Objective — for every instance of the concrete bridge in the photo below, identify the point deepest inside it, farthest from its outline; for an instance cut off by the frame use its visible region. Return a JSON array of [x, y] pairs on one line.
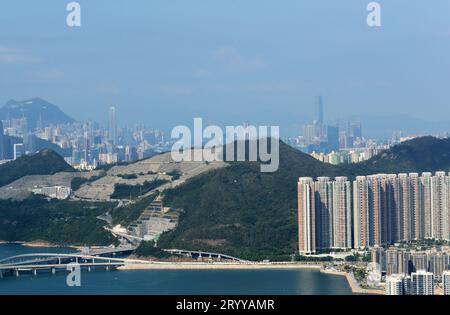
[[88, 259], [202, 254]]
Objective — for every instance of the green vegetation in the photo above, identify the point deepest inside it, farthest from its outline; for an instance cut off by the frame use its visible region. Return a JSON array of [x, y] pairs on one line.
[[107, 167], [124, 191], [353, 258], [313, 259], [56, 221], [174, 174], [77, 182], [426, 154], [45, 162], [127, 176], [148, 249], [127, 214]]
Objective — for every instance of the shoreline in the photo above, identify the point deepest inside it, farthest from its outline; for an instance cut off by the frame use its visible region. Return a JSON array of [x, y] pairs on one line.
[[155, 265], [354, 285], [39, 244], [352, 282], [212, 266]]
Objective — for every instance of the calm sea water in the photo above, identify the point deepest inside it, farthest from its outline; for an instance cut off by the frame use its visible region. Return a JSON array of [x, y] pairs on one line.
[[172, 281]]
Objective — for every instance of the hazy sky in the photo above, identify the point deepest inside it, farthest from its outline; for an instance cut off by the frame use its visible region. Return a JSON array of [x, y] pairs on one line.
[[163, 62]]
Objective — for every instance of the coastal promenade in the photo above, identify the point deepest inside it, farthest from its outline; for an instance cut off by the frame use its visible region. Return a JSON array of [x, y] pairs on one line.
[[354, 285]]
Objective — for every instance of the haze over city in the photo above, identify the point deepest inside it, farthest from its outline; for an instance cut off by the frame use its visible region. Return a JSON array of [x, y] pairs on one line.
[[164, 63]]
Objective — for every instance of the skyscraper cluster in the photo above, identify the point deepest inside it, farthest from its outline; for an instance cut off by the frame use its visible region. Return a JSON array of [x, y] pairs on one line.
[[325, 138], [384, 208], [84, 145], [404, 261]]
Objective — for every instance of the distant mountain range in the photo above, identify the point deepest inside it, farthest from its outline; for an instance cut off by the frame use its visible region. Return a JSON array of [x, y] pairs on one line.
[[34, 110], [385, 126]]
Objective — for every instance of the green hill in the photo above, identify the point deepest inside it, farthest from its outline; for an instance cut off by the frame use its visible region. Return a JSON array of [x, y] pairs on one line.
[[58, 221], [242, 212], [45, 162], [425, 154]]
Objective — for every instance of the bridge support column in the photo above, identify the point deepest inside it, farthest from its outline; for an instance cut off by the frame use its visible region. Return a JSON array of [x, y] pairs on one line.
[[89, 268], [1, 274], [34, 272], [107, 268], [53, 271], [17, 273]]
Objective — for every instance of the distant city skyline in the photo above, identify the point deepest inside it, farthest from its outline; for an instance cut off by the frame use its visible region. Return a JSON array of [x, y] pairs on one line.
[[164, 63]]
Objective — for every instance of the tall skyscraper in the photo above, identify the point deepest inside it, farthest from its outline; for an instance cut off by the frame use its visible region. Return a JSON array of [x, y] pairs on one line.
[[378, 211], [306, 216], [439, 206], [404, 207], [354, 129], [324, 210], [416, 210], [319, 106], [392, 195], [324, 213], [361, 212], [333, 138], [342, 212], [112, 126], [426, 203]]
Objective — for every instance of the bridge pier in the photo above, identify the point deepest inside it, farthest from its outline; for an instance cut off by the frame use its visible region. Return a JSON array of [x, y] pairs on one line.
[[53, 271], [17, 273], [89, 268], [35, 272], [1, 274]]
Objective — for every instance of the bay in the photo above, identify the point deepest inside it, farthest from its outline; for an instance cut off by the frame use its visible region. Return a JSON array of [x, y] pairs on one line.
[[172, 282]]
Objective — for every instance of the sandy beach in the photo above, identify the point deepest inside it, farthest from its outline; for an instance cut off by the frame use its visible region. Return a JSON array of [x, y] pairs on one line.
[[213, 266], [39, 244]]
